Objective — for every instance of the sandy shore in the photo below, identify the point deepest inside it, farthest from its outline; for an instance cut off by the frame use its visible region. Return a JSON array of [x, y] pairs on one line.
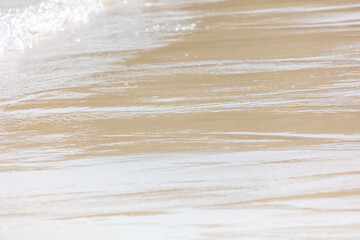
[[189, 120]]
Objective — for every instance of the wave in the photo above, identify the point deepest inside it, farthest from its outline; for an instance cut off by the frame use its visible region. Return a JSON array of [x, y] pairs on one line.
[[21, 27]]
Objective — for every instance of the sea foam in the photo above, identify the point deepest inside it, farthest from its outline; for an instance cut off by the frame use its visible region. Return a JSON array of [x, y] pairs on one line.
[[21, 27]]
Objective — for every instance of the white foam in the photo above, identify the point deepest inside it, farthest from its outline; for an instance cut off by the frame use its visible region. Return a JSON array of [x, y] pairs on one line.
[[20, 27]]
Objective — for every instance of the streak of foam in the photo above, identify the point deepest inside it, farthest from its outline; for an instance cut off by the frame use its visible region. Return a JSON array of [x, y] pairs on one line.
[[20, 28]]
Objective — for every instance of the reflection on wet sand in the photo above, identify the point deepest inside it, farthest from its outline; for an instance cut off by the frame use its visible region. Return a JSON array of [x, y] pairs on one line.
[[190, 120]]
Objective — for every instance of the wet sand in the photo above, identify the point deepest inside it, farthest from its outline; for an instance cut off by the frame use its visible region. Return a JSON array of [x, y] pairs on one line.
[[189, 120]]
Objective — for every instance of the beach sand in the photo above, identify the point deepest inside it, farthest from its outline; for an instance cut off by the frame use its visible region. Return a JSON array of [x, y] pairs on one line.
[[187, 120]]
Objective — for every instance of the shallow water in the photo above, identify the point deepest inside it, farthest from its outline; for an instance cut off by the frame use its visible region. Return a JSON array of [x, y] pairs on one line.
[[205, 119]]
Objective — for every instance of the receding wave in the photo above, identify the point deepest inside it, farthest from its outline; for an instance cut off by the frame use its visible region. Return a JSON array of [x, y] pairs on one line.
[[21, 27]]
